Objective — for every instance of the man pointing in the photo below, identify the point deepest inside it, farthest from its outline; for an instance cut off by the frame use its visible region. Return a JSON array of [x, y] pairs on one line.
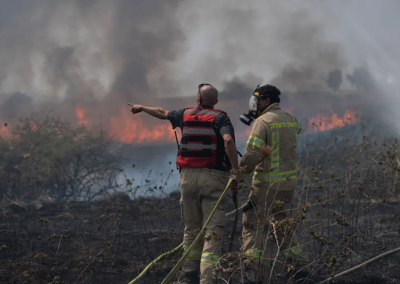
[[208, 152]]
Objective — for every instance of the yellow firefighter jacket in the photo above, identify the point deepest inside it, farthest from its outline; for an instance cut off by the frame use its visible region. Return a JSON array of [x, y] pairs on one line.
[[280, 131]]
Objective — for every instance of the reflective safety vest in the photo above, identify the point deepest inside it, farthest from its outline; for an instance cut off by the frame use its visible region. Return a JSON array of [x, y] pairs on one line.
[[280, 131], [199, 140]]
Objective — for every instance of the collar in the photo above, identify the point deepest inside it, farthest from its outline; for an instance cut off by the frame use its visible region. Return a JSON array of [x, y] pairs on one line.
[[274, 106], [206, 106]]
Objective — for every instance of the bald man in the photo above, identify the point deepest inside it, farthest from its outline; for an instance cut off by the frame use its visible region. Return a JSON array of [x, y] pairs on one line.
[[207, 155]]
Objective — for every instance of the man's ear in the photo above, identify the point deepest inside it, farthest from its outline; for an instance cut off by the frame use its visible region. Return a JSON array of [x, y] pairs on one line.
[[198, 98], [216, 101]]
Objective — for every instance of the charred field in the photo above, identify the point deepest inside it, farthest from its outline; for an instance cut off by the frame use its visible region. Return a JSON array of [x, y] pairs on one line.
[[68, 217]]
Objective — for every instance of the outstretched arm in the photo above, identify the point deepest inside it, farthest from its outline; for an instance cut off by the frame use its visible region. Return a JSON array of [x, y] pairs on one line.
[[153, 111]]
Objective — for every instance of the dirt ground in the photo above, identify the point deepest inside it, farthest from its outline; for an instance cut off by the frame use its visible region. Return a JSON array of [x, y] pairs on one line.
[[112, 241]]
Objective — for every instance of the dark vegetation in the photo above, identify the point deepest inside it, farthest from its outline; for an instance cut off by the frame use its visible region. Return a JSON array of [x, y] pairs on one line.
[[361, 79], [67, 216]]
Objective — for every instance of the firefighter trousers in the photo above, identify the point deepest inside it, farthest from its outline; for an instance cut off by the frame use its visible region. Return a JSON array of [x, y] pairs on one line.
[[200, 191], [276, 201]]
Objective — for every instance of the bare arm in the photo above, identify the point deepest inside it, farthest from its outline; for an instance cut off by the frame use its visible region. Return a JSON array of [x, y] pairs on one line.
[[153, 111], [231, 151]]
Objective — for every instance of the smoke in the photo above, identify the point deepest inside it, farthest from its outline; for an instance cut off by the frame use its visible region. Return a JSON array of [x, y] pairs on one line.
[[314, 55], [112, 52], [85, 50], [334, 80]]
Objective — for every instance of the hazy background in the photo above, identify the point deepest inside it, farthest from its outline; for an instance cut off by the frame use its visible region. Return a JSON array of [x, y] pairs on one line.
[[103, 54]]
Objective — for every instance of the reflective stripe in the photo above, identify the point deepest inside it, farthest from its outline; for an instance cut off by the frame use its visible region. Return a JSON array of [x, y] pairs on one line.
[[193, 254], [275, 176], [202, 111], [275, 152], [198, 131], [243, 175], [209, 258], [293, 251], [198, 146], [255, 141], [256, 253]]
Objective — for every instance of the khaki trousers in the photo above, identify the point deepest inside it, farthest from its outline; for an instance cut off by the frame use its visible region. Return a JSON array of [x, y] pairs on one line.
[[200, 191], [262, 198]]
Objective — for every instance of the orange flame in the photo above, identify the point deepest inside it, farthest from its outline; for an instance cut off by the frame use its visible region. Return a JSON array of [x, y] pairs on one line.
[[80, 114], [34, 126], [289, 110], [128, 128], [4, 129], [247, 132], [323, 122]]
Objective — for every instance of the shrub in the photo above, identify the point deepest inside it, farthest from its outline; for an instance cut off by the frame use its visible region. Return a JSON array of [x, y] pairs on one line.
[[48, 156]]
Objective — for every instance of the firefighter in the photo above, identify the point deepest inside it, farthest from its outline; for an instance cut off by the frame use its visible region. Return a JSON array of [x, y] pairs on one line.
[[274, 178], [206, 157]]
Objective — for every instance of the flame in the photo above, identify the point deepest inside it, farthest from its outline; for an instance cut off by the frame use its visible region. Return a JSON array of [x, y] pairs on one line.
[[128, 128], [34, 126], [323, 122], [4, 129], [289, 110], [80, 114], [247, 132]]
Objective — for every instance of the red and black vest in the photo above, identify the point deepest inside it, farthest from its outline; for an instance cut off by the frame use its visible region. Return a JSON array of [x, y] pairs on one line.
[[199, 143]]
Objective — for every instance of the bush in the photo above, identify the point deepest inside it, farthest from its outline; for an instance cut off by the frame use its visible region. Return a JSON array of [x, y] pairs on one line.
[[48, 156]]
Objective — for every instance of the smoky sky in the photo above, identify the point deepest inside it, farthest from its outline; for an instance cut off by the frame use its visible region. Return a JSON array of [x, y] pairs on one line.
[[85, 50], [113, 52]]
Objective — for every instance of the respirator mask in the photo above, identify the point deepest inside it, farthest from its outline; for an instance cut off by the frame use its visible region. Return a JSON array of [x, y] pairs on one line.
[[253, 113]]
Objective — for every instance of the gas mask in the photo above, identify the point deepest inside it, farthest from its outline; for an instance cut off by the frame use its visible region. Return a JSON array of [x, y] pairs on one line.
[[253, 113]]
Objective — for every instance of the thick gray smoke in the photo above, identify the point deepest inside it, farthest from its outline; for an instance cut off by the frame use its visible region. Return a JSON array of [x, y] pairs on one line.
[[85, 50], [113, 52]]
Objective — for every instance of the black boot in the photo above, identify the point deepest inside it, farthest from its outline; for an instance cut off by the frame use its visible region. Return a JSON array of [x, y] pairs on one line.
[[190, 278]]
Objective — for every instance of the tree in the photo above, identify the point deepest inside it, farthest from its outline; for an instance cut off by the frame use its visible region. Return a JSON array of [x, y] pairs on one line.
[[362, 79], [334, 80]]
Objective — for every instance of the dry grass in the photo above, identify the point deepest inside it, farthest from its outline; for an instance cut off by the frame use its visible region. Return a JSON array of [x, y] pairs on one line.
[[345, 212]]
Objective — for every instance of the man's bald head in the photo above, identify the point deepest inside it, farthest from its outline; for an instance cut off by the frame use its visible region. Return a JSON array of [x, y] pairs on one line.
[[207, 95]]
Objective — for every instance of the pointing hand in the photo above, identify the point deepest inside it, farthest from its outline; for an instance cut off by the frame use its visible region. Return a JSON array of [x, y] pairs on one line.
[[135, 108]]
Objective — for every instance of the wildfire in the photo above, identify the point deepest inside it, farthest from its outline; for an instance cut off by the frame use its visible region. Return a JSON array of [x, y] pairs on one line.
[[4, 129], [80, 114], [247, 132], [129, 128], [323, 122], [34, 126], [289, 110]]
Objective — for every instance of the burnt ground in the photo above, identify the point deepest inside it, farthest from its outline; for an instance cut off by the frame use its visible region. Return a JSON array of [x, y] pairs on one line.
[[112, 241]]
